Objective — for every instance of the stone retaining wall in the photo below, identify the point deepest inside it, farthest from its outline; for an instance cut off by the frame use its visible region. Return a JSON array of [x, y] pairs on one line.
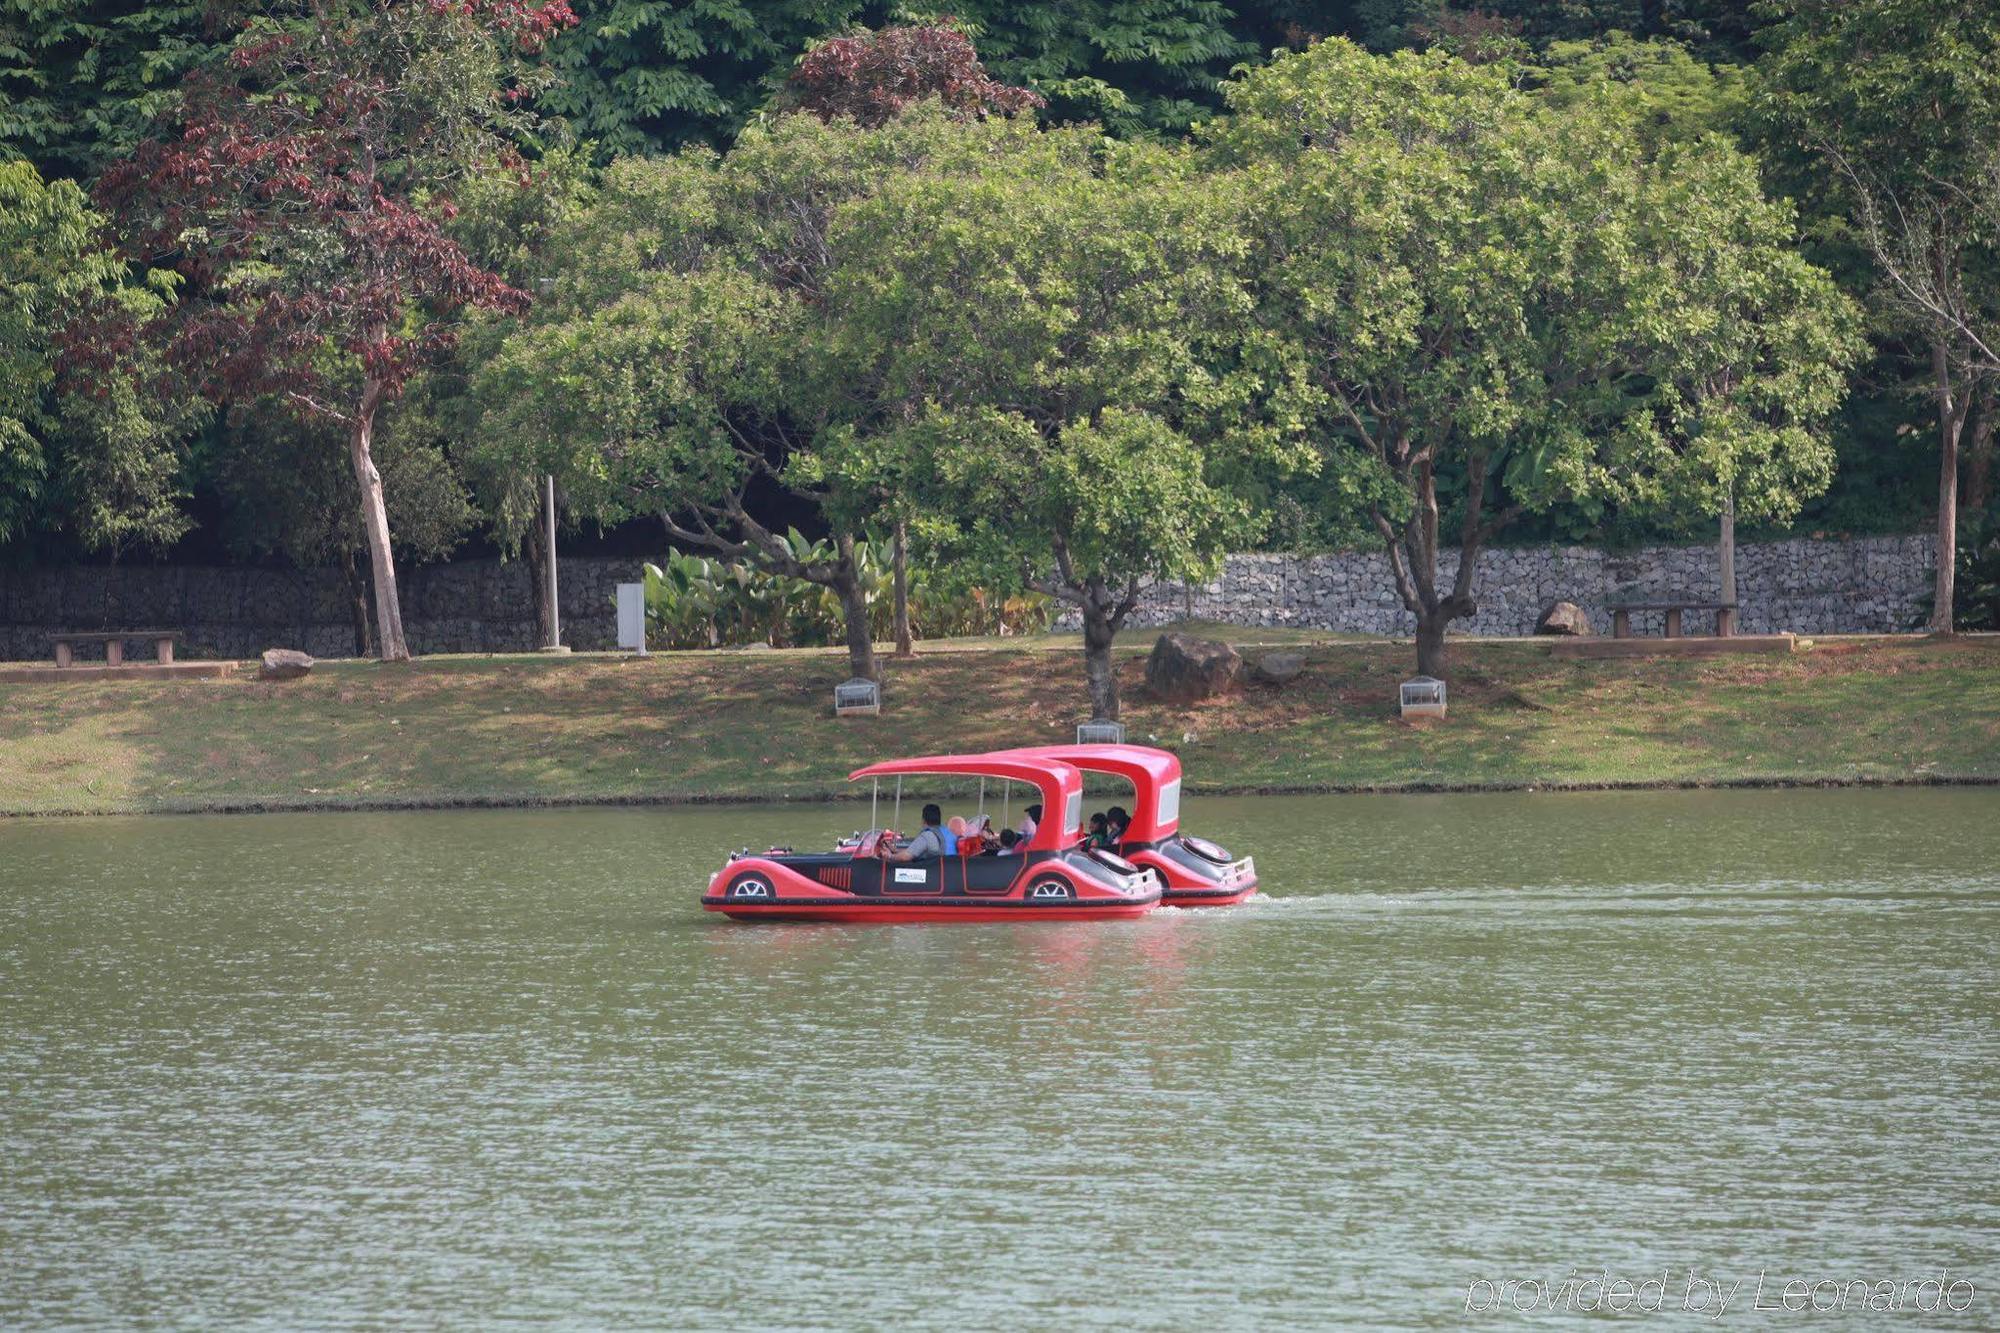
[[469, 606], [1806, 585]]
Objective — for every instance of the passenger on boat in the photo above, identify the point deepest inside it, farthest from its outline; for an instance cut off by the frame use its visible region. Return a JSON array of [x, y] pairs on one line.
[[1117, 819], [977, 839], [933, 840], [1099, 832], [1029, 822], [1010, 843]]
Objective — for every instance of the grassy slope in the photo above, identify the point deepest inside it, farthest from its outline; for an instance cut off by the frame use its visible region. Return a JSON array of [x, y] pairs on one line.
[[756, 725]]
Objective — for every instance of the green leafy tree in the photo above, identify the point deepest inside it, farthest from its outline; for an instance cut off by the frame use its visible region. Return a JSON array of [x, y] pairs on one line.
[[1154, 67], [663, 374], [1033, 351], [652, 75], [105, 461], [1480, 304], [1669, 95], [81, 79], [1898, 102]]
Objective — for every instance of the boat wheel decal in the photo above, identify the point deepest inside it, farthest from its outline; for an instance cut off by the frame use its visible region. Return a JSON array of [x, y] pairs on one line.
[[1048, 890], [750, 886]]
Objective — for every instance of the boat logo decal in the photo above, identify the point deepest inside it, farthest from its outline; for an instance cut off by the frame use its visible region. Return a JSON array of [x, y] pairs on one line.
[[912, 877]]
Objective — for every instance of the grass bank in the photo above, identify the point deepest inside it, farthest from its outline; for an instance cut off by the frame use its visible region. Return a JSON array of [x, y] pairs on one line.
[[743, 725]]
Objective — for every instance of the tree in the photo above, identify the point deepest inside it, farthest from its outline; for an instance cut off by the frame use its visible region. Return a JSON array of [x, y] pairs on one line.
[[871, 78], [300, 195], [49, 261], [1674, 98], [287, 492], [1140, 70], [638, 76], [669, 371], [518, 233], [1030, 350], [79, 79], [104, 462], [1474, 300], [1899, 100]]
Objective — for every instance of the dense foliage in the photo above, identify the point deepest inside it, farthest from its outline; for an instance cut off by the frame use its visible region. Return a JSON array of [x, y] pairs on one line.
[[299, 191], [695, 601], [1463, 288], [1064, 297]]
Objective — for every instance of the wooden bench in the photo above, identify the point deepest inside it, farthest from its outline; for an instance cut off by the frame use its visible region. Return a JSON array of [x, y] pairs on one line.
[[114, 644], [1621, 616]]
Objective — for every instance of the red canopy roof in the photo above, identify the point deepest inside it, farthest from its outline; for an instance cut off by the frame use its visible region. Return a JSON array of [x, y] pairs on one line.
[[1057, 781], [1151, 773]]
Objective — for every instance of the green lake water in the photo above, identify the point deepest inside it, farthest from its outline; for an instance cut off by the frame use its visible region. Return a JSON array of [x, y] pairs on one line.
[[455, 1069]]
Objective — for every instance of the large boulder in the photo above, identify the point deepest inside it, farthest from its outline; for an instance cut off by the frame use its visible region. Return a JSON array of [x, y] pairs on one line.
[[1280, 668], [1566, 618], [283, 664], [1183, 668]]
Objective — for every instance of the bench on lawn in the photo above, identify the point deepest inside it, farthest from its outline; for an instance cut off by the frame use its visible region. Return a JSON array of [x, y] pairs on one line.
[[114, 644], [1621, 616]]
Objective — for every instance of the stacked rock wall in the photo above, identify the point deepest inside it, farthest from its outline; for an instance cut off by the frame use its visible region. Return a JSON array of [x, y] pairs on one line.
[[1807, 585], [469, 606]]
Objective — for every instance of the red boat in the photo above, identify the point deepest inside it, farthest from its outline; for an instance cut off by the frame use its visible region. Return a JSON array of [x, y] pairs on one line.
[[1047, 877], [1197, 872]]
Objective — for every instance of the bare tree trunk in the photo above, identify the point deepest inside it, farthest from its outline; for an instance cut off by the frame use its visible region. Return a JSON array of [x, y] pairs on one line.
[[854, 610], [1979, 454], [534, 548], [1430, 643], [1728, 552], [357, 604], [1413, 561], [375, 522], [1951, 417], [1099, 671], [904, 648]]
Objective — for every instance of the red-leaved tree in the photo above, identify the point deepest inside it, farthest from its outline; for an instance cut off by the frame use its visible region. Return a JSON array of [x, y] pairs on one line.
[[300, 191], [869, 77]]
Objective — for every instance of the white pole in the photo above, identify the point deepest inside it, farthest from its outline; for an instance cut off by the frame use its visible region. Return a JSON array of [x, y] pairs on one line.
[[555, 616], [874, 801], [898, 816]]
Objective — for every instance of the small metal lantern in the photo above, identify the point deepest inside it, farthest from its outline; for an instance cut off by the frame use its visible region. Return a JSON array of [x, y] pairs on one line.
[[1423, 696], [1097, 731], [857, 697]]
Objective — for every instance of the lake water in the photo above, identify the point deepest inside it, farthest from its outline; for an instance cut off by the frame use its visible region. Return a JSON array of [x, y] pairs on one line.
[[460, 1068]]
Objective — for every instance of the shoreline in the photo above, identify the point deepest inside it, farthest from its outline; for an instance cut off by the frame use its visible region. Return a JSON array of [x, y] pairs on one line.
[[732, 729], [688, 800]]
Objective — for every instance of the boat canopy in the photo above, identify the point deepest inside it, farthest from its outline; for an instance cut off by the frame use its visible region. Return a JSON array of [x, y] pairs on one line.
[[1155, 776], [1060, 785]]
